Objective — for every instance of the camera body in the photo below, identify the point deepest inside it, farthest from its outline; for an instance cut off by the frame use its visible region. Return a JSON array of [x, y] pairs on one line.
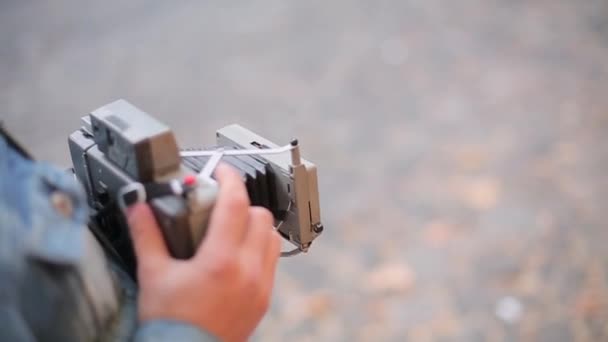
[[122, 154]]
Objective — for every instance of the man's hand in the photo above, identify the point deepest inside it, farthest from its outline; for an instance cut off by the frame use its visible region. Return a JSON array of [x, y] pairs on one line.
[[225, 287]]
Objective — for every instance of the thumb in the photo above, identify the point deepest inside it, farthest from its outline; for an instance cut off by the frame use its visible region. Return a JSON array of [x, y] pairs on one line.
[[147, 238]]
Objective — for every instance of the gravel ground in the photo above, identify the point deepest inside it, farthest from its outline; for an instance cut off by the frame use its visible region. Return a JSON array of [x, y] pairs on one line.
[[461, 145]]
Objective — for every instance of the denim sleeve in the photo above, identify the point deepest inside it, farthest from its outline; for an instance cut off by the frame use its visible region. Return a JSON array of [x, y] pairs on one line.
[[55, 282], [167, 330]]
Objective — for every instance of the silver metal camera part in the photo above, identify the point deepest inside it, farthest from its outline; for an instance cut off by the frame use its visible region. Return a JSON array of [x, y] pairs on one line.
[[122, 154], [296, 184]]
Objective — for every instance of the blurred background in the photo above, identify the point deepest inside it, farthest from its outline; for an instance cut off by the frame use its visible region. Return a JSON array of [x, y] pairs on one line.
[[462, 145]]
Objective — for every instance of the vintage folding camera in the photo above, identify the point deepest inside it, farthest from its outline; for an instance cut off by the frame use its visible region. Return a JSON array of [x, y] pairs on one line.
[[122, 155]]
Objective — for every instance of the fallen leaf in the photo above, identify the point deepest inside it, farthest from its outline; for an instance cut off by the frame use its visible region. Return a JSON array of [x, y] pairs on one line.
[[470, 158], [589, 304], [390, 278], [438, 233], [304, 307], [483, 193], [318, 304], [377, 310]]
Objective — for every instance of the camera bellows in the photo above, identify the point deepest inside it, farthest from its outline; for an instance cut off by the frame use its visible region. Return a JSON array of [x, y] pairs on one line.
[[256, 174]]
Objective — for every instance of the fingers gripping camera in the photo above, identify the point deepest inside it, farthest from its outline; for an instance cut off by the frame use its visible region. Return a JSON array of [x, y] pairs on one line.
[[122, 155]]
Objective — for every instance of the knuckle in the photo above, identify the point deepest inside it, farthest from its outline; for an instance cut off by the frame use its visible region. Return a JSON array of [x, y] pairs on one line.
[[261, 215], [223, 265], [237, 202], [251, 279], [275, 241], [268, 217], [230, 172]]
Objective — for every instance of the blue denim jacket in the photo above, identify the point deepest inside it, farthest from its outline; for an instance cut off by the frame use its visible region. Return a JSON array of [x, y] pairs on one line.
[[55, 282]]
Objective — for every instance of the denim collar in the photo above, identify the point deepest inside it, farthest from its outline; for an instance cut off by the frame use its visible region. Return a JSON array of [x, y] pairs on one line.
[[13, 143]]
